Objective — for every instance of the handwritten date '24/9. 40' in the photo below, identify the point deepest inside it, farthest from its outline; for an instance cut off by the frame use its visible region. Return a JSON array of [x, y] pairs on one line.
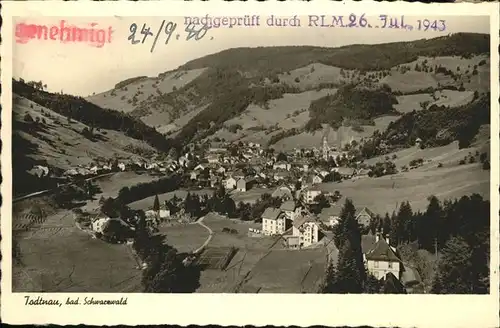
[[383, 21], [168, 29]]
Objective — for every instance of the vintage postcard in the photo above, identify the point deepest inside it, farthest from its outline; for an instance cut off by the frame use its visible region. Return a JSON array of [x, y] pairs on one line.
[[250, 163]]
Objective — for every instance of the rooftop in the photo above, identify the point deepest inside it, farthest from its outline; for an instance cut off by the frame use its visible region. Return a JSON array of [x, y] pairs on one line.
[[271, 213], [288, 206], [381, 251]]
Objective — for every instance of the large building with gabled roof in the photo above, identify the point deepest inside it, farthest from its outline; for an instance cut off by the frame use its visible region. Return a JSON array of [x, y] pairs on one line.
[[382, 259]]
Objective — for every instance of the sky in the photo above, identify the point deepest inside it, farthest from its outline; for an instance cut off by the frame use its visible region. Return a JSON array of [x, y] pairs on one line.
[[81, 69]]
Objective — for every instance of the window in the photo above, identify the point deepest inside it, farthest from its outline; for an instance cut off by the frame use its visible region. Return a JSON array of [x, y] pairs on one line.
[[375, 264], [390, 265]]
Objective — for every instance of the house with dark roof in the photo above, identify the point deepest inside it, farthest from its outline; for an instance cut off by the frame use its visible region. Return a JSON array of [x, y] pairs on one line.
[[381, 258], [290, 209]]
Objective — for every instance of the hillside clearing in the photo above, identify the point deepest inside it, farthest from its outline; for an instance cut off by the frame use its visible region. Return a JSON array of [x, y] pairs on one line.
[[62, 144], [143, 89], [383, 194]]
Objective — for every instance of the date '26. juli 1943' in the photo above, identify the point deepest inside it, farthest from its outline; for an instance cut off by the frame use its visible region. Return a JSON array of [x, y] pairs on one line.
[[383, 21]]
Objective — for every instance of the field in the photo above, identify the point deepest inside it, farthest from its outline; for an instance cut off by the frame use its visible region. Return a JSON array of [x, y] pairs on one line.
[[335, 138], [56, 256], [249, 196], [251, 257], [448, 98], [383, 194], [147, 203], [288, 271], [184, 237]]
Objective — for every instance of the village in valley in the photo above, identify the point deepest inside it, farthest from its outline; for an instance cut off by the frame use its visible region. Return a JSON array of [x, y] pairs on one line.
[[381, 202]]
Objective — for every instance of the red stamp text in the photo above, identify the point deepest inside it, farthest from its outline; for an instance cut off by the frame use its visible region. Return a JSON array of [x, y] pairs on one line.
[[96, 37]]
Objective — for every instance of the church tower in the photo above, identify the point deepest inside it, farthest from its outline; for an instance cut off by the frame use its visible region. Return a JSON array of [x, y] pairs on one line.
[[325, 149]]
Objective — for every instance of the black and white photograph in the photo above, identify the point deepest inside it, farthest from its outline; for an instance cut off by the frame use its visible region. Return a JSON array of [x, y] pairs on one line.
[[313, 154]]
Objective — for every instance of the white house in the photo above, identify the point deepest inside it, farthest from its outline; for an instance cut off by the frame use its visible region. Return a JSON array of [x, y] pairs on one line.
[[270, 222], [99, 224], [364, 216], [193, 175], [39, 171], [382, 259], [315, 179], [121, 166], [241, 185], [309, 194], [307, 229], [230, 183], [164, 213]]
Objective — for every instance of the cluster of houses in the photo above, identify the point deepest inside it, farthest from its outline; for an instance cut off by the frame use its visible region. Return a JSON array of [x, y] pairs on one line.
[[251, 167], [299, 229], [298, 226]]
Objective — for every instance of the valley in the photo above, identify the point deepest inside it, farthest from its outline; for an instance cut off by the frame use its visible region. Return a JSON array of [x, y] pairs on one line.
[[239, 167]]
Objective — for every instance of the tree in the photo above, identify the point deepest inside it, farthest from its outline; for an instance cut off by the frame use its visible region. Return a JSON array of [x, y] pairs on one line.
[[350, 273], [372, 284], [349, 276], [156, 204], [404, 221], [28, 118], [455, 274], [386, 225], [428, 225], [281, 157]]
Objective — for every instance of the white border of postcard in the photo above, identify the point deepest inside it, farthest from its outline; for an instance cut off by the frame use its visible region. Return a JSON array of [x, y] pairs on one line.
[[250, 309]]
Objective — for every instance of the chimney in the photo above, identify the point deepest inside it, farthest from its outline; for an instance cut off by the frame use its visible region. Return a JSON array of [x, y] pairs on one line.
[[387, 240]]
